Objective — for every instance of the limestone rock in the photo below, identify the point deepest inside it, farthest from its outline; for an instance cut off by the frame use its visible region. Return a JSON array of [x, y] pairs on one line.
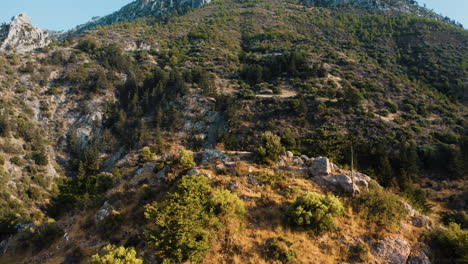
[[21, 36], [393, 250], [196, 171], [104, 212], [321, 167], [418, 258], [341, 183], [211, 155], [409, 209], [140, 8], [422, 221]]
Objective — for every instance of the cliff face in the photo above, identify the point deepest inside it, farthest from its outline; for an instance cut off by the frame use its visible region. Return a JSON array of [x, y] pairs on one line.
[[140, 8], [21, 36]]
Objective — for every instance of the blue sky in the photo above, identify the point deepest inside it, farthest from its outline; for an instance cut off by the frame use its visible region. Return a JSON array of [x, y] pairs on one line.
[[66, 14]]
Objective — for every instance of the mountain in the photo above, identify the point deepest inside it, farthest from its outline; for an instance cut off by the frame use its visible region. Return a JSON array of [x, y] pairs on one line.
[[403, 6], [138, 9], [242, 131], [21, 36]]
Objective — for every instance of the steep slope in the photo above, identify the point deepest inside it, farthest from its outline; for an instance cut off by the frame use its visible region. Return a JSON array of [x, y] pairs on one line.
[[141, 8], [251, 79], [21, 36], [403, 6]]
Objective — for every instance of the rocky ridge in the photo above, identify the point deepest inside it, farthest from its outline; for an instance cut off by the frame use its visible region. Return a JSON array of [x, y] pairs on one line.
[[21, 36], [403, 6], [140, 8]]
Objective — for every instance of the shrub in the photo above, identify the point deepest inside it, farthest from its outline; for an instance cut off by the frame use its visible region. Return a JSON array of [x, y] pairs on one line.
[[359, 252], [17, 161], [451, 245], [42, 236], [117, 255], [279, 249], [225, 203], [381, 207], [41, 158], [270, 149], [274, 179], [182, 223], [457, 217], [146, 155], [315, 211], [186, 159], [181, 230]]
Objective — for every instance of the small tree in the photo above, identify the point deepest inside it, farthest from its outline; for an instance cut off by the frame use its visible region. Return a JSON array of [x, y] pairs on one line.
[[270, 149], [315, 211], [146, 155], [186, 159], [117, 255]]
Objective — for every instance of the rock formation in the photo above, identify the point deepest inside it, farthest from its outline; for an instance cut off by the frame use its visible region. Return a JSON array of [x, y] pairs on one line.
[[140, 8], [21, 36]]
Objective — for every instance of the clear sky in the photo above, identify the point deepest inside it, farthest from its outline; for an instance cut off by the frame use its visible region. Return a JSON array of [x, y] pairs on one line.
[[66, 14]]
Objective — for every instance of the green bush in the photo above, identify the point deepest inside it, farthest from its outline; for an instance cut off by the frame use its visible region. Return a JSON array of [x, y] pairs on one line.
[[315, 211], [451, 245], [271, 148], [40, 157], [457, 217], [279, 249], [116, 255], [274, 179], [181, 222], [186, 159], [225, 203], [17, 161], [146, 155], [381, 207]]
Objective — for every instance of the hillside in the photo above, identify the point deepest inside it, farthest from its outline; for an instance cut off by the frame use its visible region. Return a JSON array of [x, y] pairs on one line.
[[199, 135]]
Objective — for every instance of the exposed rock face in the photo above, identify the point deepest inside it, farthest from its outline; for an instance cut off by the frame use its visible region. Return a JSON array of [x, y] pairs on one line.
[[419, 258], [211, 155], [141, 8], [321, 167], [393, 250], [104, 212], [21, 36]]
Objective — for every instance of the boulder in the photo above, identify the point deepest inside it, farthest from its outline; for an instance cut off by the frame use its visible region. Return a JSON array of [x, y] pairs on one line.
[[409, 209], [289, 154], [341, 183], [393, 250], [320, 167], [422, 221], [104, 212], [418, 258], [211, 155], [198, 172], [298, 162]]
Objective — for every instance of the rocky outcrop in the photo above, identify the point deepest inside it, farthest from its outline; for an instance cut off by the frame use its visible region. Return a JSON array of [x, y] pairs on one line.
[[321, 167], [104, 212], [21, 36], [140, 8], [393, 250], [211, 155]]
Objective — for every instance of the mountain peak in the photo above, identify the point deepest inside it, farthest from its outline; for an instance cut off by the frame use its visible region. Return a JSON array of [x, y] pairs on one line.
[[21, 36], [22, 18]]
